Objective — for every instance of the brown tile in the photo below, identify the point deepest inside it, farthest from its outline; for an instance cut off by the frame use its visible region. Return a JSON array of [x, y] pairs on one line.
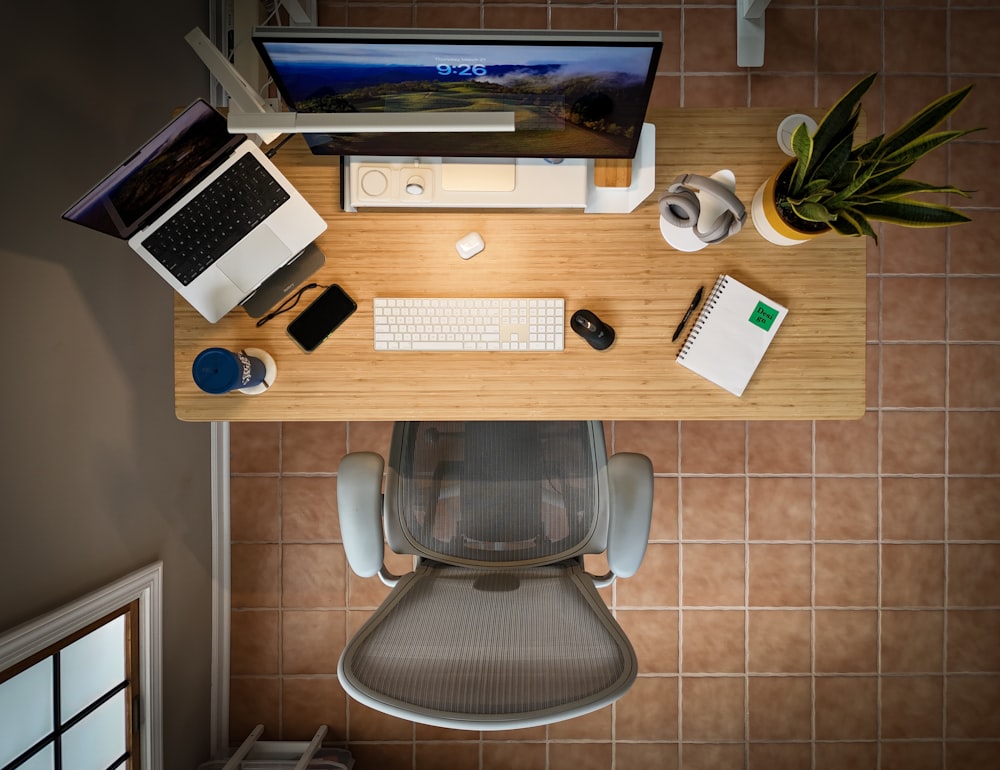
[[974, 575], [253, 575], [849, 40], [713, 641], [972, 507], [972, 309], [372, 15], [779, 756], [530, 756], [451, 16], [253, 508], [253, 447], [912, 575], [313, 576], [640, 756], [366, 724], [780, 708], [309, 509], [846, 641], [431, 733], [913, 442], [975, 246], [579, 756], [779, 446], [846, 508], [713, 508], [664, 523], [780, 508], [974, 371], [911, 706], [981, 109], [846, 708], [847, 446], [714, 90], [593, 726], [655, 584], [656, 440], [972, 641], [913, 309], [872, 382], [912, 641], [915, 40], [312, 447], [369, 437], [913, 509], [653, 634], [790, 41], [667, 21], [666, 91], [857, 756], [973, 706], [713, 446], [311, 641], [371, 592], [973, 448], [779, 575], [712, 708], [576, 17], [914, 755], [309, 702], [913, 250], [253, 642], [971, 41], [712, 756], [705, 50], [779, 641], [846, 575], [254, 701], [873, 314], [913, 375], [460, 756], [713, 575], [974, 754], [970, 170]]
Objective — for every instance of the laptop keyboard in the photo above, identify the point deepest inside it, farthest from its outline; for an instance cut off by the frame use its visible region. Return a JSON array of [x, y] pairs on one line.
[[216, 219]]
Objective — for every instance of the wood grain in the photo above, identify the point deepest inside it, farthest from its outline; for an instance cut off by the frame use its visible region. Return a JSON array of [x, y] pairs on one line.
[[618, 266]]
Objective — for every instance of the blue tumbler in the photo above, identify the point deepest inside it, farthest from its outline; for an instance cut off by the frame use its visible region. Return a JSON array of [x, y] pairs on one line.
[[217, 370]]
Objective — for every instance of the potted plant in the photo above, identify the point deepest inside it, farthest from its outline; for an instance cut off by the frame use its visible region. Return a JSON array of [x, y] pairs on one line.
[[833, 185]]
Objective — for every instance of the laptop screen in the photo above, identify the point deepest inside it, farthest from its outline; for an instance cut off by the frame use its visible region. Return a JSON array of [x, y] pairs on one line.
[[155, 176]]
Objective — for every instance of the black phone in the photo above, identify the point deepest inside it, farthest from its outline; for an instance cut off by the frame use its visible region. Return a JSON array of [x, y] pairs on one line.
[[324, 314]]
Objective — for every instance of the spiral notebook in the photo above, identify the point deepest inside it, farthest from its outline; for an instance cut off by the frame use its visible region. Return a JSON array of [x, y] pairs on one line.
[[732, 333]]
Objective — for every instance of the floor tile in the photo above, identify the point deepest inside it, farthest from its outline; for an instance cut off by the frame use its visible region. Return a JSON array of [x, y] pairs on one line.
[[912, 706], [712, 708], [779, 641], [713, 641], [780, 508], [713, 508], [780, 708], [912, 641], [846, 708], [845, 641], [846, 508], [779, 575]]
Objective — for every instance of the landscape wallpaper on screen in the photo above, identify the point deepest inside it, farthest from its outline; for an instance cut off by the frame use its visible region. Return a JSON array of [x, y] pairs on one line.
[[569, 101]]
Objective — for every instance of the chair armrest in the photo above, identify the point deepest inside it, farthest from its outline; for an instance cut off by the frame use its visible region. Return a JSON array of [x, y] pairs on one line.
[[359, 504], [630, 477]]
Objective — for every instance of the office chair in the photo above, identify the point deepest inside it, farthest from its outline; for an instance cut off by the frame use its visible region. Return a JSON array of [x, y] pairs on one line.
[[498, 626]]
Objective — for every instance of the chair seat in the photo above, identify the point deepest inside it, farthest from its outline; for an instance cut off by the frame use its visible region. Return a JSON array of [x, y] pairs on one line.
[[490, 648]]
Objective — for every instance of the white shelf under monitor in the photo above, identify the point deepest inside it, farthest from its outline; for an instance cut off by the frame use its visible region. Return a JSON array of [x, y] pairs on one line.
[[382, 182]]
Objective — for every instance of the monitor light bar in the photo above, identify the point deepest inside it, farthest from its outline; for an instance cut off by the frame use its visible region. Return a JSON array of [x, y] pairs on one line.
[[368, 123]]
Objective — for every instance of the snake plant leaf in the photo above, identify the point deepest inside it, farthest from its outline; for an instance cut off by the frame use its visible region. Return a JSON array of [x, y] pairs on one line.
[[812, 212], [869, 149], [852, 222], [925, 120], [829, 130], [897, 188], [913, 213], [922, 145]]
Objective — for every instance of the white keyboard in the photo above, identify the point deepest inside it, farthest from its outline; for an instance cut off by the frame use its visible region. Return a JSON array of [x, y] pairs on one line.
[[469, 323]]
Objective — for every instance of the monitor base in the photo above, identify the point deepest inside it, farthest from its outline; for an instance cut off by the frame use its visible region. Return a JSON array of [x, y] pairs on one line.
[[370, 182]]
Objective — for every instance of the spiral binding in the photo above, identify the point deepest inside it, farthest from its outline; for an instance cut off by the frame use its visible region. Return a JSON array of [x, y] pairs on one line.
[[713, 298]]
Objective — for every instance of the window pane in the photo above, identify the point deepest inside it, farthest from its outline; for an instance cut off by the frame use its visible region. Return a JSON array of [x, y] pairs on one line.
[[43, 760], [26, 709], [97, 741], [91, 666]]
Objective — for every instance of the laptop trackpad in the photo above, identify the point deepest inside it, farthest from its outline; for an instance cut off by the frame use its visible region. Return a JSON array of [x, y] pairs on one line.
[[254, 258]]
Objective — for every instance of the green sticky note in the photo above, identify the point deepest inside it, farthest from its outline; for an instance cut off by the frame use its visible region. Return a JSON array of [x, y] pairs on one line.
[[763, 316]]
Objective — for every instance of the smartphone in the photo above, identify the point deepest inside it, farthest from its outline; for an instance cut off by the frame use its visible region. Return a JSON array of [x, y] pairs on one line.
[[324, 314]]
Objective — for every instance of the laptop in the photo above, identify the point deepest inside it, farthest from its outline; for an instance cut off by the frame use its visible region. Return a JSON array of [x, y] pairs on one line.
[[206, 209]]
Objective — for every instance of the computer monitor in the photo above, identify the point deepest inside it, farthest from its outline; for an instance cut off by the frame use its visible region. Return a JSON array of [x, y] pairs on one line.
[[574, 94]]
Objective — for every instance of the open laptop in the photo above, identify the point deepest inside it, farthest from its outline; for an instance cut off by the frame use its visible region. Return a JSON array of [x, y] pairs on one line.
[[205, 208]]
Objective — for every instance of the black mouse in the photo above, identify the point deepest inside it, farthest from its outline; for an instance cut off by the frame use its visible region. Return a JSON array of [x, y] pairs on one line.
[[597, 333]]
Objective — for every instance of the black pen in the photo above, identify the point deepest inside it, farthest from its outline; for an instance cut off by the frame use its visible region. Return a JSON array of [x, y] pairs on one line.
[[687, 315]]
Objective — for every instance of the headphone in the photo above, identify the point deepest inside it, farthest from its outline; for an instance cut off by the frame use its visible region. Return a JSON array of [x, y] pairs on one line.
[[679, 206]]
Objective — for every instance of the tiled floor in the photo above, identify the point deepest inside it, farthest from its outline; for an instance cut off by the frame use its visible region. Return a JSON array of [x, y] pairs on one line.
[[815, 595]]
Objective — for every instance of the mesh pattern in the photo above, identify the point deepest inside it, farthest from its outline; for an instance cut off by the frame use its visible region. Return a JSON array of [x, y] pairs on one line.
[[523, 642], [497, 492]]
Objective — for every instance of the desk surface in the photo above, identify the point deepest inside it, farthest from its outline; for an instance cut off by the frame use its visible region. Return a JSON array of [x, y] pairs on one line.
[[616, 265]]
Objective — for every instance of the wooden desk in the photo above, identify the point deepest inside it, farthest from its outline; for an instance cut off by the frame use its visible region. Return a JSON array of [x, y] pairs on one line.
[[619, 266]]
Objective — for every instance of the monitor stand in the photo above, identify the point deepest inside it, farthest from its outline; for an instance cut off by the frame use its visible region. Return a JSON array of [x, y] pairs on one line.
[[370, 182]]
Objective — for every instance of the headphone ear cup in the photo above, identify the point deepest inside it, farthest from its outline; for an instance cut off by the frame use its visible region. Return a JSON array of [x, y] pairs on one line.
[[680, 207]]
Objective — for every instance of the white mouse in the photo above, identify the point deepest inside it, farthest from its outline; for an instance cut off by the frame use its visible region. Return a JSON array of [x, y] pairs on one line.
[[469, 245]]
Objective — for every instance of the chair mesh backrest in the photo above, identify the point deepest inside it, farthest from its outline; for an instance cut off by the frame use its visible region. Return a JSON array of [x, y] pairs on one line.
[[489, 644], [497, 492]]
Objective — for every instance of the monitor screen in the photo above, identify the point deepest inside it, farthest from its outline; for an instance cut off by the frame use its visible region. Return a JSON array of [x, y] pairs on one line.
[[573, 94]]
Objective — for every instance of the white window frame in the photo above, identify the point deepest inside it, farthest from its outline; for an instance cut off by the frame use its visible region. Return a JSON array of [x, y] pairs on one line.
[[144, 585]]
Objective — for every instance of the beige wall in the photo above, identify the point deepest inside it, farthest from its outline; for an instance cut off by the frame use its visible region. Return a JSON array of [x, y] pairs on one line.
[[98, 476]]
